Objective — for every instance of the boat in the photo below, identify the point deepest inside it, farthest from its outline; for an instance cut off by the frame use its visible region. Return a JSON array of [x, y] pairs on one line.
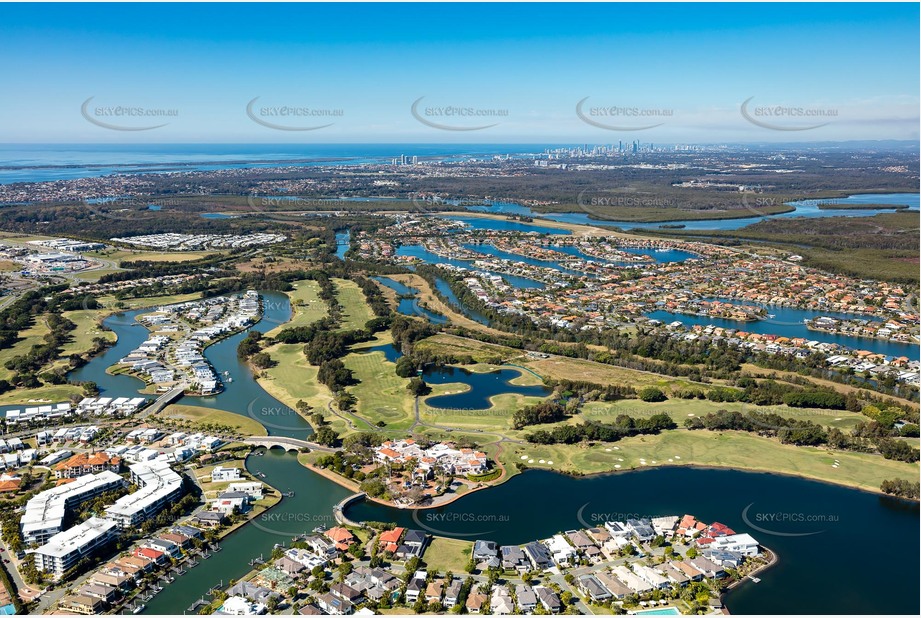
[[288, 494], [229, 380], [138, 609]]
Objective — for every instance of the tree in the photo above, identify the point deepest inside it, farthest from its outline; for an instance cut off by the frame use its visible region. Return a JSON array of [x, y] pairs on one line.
[[417, 387], [651, 394], [326, 436]]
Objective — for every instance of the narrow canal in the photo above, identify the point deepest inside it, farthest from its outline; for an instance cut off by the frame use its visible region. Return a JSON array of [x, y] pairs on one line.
[[830, 559]]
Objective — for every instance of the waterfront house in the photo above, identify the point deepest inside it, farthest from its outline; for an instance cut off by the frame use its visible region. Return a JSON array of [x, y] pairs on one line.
[[708, 567], [540, 557], [251, 591], [341, 537], [104, 592], [483, 550], [289, 566], [154, 556], [208, 519], [729, 559], [743, 544], [513, 558], [389, 540]]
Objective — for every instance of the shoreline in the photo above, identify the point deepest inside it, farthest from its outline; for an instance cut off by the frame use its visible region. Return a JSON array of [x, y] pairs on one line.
[[764, 567], [332, 476], [356, 488]]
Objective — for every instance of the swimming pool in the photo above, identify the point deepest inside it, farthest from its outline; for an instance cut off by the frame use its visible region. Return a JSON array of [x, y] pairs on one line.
[[661, 611]]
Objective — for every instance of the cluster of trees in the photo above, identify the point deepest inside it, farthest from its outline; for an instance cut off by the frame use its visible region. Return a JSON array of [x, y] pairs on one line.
[[901, 488], [407, 331], [590, 391], [539, 413], [27, 366], [770, 392], [622, 427], [865, 437]]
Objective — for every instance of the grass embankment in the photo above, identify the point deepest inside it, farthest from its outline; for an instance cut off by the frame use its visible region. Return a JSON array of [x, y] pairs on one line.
[[208, 417], [680, 410], [306, 306], [729, 449], [559, 367], [428, 299], [381, 393], [293, 379]]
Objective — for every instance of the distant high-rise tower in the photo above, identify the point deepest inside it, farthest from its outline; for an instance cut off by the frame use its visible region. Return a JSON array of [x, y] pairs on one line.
[[636, 146]]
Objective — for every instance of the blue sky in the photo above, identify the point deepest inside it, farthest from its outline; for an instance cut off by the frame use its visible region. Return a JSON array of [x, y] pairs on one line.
[[526, 66]]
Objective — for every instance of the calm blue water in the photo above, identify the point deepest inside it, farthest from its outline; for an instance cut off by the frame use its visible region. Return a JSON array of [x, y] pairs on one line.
[[807, 579], [495, 252], [420, 252], [482, 387], [670, 255], [442, 286], [804, 208], [44, 162], [391, 352], [411, 306], [343, 240], [503, 225], [789, 323]]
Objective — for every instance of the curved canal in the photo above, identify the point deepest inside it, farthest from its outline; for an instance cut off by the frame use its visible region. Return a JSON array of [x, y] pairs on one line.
[[853, 561]]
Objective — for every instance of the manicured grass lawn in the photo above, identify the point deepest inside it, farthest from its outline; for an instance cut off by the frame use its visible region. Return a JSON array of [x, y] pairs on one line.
[[87, 329], [293, 379], [445, 554], [355, 311], [152, 301], [381, 393], [721, 449], [680, 410], [207, 416], [578, 369], [306, 304], [480, 351], [51, 393]]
